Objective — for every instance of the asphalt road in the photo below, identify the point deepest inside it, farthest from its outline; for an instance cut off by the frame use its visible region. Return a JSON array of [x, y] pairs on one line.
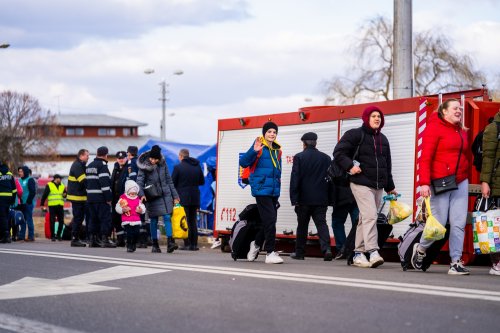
[[51, 287]]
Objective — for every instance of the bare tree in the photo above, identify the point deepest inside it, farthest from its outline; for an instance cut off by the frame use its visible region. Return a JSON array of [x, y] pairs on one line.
[[25, 128], [437, 66]]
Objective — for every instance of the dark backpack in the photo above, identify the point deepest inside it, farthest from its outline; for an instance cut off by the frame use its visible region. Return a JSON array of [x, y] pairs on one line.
[[477, 148], [335, 174]]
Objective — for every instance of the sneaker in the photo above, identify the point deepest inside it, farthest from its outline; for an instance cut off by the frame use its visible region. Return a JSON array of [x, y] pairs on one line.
[[328, 256], [457, 268], [375, 259], [495, 269], [360, 260], [273, 258], [216, 244], [417, 258], [340, 256], [254, 252]]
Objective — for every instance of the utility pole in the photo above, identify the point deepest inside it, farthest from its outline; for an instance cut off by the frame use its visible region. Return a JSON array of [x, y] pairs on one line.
[[403, 50], [163, 99]]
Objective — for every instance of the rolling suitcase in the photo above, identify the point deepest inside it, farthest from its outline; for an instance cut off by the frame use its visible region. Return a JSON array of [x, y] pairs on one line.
[[244, 232], [412, 236], [384, 230]]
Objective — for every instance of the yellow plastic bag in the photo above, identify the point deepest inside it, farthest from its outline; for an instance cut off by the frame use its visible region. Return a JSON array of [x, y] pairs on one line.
[[398, 211], [179, 223], [433, 230]]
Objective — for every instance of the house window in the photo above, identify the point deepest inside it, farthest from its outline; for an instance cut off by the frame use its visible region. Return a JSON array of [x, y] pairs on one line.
[[126, 131], [70, 131], [106, 132]]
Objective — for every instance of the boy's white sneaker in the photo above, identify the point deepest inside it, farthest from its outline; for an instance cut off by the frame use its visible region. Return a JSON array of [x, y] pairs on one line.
[[495, 269], [375, 259], [254, 252], [273, 258], [360, 260]]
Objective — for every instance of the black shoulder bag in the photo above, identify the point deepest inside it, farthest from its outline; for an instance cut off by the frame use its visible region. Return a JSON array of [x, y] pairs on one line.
[[448, 183], [335, 173]]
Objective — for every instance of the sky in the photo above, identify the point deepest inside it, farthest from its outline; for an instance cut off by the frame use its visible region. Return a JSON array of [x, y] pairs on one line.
[[239, 58]]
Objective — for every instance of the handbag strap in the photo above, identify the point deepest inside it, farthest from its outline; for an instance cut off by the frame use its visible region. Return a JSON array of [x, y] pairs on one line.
[[460, 152], [356, 153]]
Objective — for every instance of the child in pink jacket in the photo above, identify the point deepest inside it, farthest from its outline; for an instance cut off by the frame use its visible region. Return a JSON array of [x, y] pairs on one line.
[[131, 208]]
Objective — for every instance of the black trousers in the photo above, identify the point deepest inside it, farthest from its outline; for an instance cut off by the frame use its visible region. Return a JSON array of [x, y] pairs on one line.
[[80, 213], [116, 221], [318, 214], [4, 219], [100, 218], [132, 232], [268, 211], [56, 212], [191, 219]]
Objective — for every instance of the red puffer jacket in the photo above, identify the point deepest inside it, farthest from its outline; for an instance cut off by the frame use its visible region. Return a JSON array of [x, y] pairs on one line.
[[440, 149]]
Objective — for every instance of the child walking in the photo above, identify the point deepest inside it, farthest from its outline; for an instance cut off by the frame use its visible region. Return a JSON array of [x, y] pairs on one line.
[[130, 207]]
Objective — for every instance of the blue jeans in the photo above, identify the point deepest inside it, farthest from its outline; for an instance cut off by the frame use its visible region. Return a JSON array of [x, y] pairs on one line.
[[154, 226], [339, 216], [28, 217]]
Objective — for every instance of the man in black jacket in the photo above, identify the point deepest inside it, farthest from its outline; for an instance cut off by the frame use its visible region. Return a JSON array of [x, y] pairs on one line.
[[309, 194], [99, 198], [118, 179], [8, 193], [187, 176], [77, 195]]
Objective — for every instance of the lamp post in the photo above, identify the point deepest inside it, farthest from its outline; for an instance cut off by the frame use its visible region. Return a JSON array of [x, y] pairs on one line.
[[4, 45], [163, 84]]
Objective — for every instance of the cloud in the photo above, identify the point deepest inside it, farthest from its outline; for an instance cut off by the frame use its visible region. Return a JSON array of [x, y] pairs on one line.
[[63, 24]]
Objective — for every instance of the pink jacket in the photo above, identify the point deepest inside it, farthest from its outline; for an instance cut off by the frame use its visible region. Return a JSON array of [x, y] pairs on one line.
[[133, 218]]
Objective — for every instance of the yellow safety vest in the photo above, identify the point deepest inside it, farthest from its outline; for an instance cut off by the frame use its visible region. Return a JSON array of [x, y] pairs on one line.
[[55, 197]]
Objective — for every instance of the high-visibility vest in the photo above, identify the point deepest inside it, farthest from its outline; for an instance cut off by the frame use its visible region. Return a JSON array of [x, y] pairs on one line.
[[55, 197]]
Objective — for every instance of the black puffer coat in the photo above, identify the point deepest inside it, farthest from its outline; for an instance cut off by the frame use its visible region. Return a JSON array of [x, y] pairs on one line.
[[374, 158], [187, 176], [156, 174]]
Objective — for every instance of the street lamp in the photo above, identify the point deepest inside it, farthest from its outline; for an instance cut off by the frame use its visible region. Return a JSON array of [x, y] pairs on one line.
[[163, 100], [4, 46]]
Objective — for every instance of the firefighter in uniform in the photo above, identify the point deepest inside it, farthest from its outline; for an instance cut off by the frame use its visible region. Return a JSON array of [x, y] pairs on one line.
[[8, 193], [99, 199], [54, 193], [77, 194]]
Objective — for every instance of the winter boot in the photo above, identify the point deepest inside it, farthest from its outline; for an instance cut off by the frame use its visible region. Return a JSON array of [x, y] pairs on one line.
[[105, 242], [129, 247], [120, 241], [171, 245], [93, 242], [75, 242], [156, 247]]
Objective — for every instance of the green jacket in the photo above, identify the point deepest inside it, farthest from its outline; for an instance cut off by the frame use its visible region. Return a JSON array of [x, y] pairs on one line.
[[490, 173]]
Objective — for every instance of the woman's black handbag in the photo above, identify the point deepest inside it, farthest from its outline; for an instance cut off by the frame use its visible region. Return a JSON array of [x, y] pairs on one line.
[[448, 183], [151, 192]]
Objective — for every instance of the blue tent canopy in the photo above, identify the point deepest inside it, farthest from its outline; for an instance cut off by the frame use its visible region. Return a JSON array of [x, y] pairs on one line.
[[207, 157]]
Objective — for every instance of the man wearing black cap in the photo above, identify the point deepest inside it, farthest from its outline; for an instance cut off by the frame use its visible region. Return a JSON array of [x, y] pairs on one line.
[[55, 192], [309, 194], [118, 179], [132, 171], [77, 194], [99, 197]]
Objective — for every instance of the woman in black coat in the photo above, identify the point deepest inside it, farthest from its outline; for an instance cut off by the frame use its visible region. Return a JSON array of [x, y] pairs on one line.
[[153, 170]]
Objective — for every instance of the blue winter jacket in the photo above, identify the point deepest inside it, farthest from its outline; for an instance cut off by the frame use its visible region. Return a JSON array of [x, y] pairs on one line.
[[266, 179]]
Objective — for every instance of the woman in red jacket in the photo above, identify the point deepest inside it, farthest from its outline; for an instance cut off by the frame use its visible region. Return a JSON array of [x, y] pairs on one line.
[[444, 150]]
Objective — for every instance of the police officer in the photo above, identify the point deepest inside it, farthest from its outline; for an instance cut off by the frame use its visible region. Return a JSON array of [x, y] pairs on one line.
[[8, 193], [309, 194], [99, 199], [55, 192], [77, 194], [118, 179]]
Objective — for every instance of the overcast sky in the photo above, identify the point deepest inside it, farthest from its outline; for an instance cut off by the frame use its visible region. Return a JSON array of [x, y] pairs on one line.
[[239, 58]]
